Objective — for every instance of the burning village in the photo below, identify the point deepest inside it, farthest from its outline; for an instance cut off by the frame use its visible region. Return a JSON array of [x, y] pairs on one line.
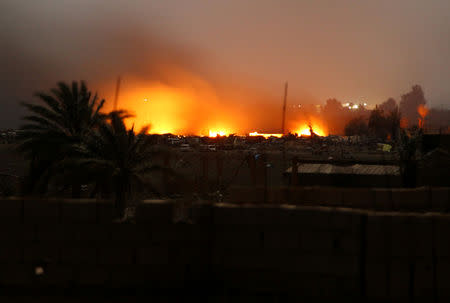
[[224, 151]]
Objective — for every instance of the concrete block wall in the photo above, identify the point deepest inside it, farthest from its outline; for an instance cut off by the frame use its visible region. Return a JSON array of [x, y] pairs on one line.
[[304, 251], [422, 199]]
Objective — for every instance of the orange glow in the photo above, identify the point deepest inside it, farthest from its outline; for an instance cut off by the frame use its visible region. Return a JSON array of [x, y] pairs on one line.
[[304, 130], [265, 135], [191, 106], [423, 111], [403, 122], [215, 133]]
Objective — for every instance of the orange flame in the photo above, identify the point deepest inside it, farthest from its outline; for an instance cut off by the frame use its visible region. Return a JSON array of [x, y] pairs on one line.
[[265, 135], [217, 133], [423, 111], [304, 130]]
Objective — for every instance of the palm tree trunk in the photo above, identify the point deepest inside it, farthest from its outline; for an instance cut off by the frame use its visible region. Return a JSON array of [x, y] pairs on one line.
[[120, 199]]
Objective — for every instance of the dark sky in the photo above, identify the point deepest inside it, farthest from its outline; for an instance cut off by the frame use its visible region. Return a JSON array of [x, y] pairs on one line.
[[351, 50]]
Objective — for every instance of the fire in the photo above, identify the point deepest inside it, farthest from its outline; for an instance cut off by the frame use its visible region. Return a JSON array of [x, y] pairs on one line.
[[215, 133], [423, 111], [265, 135], [304, 130]]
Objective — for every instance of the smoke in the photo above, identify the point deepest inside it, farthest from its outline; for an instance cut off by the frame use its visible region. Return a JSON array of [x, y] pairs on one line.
[[187, 90], [47, 45]]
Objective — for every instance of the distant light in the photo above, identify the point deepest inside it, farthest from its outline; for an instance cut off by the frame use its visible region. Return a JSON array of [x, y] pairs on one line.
[[346, 104], [365, 104], [145, 99], [355, 106]]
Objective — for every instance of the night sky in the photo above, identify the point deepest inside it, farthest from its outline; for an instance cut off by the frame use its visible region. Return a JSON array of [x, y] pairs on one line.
[[351, 50]]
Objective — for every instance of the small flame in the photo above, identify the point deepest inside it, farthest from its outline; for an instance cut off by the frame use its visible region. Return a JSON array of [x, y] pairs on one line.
[[216, 133], [254, 134], [305, 130], [423, 111]]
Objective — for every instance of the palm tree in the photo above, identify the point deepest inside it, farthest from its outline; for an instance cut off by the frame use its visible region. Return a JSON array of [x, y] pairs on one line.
[[117, 159], [68, 114]]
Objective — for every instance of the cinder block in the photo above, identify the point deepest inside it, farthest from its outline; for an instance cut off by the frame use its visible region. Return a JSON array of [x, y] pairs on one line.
[[358, 198], [410, 199], [125, 234], [328, 265], [423, 281], [441, 232], [376, 281], [125, 276], [313, 218], [278, 195], [11, 210], [346, 220], [51, 234], [194, 257], [281, 239], [378, 231], [116, 255], [79, 211], [349, 288], [78, 255], [399, 280], [179, 234], [423, 236], [153, 256], [440, 199], [85, 235], [259, 216], [169, 278], [382, 199], [201, 213], [17, 234], [225, 214], [155, 212], [11, 254], [246, 194], [443, 278], [42, 211], [16, 275], [402, 235], [195, 234], [41, 254], [317, 241], [92, 275], [55, 276], [105, 211], [328, 196], [241, 239], [347, 244], [243, 259], [310, 195], [295, 196]]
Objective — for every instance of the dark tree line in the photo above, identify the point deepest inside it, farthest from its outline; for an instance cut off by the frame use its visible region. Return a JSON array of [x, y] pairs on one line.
[[385, 121], [69, 141]]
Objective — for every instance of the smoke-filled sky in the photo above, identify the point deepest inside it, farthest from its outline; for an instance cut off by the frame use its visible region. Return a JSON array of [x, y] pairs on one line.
[[229, 55]]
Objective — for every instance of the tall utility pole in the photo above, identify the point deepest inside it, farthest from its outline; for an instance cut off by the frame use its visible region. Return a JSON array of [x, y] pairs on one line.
[[116, 97], [284, 108]]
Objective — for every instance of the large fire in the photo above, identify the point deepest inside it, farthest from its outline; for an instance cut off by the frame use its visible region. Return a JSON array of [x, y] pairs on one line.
[[193, 108]]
